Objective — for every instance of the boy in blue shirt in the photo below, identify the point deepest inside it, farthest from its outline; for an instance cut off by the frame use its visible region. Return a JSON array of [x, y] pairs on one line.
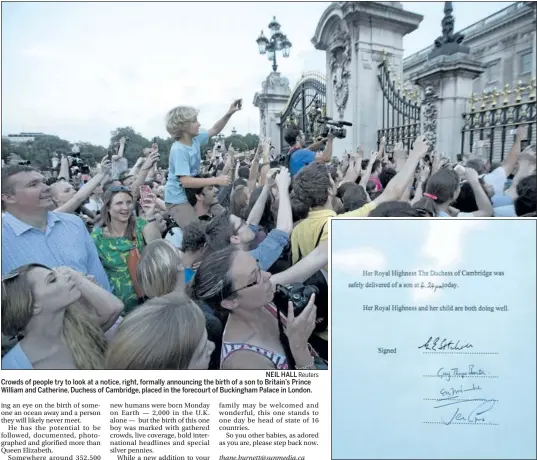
[[185, 159]]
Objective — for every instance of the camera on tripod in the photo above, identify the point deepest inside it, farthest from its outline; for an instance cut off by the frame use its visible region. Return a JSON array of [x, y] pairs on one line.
[[329, 126]]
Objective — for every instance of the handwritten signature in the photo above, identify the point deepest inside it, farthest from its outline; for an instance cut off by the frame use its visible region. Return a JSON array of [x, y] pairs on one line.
[[445, 344], [455, 372], [453, 393], [462, 415]]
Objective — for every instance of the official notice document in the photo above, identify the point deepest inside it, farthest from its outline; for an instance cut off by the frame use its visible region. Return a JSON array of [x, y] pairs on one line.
[[434, 338]]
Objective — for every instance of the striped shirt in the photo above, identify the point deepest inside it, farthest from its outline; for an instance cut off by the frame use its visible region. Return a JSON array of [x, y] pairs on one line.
[[65, 242]]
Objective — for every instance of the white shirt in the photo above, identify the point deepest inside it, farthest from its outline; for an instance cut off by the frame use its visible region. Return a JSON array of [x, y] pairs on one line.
[[94, 205], [497, 180], [175, 237]]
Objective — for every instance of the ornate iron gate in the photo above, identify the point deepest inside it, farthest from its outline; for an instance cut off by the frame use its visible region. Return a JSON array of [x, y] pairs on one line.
[[305, 106], [401, 110], [489, 125]]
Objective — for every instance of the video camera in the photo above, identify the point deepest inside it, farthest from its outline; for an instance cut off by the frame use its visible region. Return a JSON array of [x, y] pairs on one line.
[[334, 127]]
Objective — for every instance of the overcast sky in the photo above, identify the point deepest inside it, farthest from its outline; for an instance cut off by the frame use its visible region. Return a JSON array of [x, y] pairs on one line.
[[79, 70]]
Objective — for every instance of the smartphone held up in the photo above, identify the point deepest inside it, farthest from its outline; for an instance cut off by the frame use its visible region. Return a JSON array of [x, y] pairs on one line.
[[145, 191]]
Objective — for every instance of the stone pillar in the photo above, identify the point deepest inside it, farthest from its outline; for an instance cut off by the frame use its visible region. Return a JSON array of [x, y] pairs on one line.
[[271, 100], [355, 35], [446, 84]]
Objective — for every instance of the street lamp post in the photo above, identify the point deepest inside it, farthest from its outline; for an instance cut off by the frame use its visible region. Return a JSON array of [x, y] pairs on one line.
[[277, 42]]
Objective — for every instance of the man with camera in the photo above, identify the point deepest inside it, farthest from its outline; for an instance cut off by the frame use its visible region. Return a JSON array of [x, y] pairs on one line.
[[300, 156]]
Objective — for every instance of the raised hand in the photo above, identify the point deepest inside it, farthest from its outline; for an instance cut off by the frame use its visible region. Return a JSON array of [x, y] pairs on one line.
[[266, 145], [398, 149], [148, 204], [283, 179], [106, 165], [420, 146], [300, 328], [424, 173], [522, 133], [235, 106], [151, 160]]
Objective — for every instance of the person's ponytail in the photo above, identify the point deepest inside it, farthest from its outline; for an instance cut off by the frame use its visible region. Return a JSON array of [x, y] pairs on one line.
[[427, 203]]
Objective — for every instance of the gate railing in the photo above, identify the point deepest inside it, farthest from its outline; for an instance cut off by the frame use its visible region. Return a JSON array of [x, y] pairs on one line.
[[306, 104], [401, 110], [494, 117]]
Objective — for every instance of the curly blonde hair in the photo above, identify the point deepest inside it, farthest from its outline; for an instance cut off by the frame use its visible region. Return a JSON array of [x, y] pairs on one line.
[[177, 118]]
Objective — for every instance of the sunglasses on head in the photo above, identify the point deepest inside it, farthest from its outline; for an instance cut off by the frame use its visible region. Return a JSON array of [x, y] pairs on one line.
[[119, 188], [10, 275]]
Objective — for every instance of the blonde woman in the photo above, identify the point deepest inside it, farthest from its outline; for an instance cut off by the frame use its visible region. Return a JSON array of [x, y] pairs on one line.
[[185, 159], [161, 272], [165, 333], [58, 317]]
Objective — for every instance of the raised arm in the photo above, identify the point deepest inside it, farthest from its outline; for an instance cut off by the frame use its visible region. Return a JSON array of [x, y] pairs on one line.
[[512, 158], [284, 221], [266, 161], [254, 169], [526, 167], [85, 192], [142, 175], [326, 156], [220, 124], [257, 211], [102, 303], [304, 268], [367, 174], [395, 188], [151, 231], [484, 206], [64, 168]]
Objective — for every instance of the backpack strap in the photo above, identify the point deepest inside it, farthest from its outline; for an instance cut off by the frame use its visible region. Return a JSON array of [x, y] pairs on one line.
[[320, 235]]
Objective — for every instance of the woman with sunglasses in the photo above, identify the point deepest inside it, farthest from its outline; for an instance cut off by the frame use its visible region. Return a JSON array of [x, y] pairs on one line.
[[58, 318], [121, 238], [256, 335]]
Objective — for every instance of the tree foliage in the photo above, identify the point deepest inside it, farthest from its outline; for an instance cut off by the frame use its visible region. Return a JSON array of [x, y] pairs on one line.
[[39, 152]]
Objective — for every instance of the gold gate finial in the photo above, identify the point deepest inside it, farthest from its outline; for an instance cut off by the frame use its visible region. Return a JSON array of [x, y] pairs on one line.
[[483, 99], [532, 88], [518, 90], [473, 100], [494, 96], [506, 92]]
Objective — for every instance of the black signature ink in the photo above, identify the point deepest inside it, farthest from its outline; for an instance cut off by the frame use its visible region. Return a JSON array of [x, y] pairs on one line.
[[433, 345], [475, 416]]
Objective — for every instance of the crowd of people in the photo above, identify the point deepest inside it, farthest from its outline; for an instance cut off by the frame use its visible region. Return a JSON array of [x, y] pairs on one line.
[[219, 260]]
